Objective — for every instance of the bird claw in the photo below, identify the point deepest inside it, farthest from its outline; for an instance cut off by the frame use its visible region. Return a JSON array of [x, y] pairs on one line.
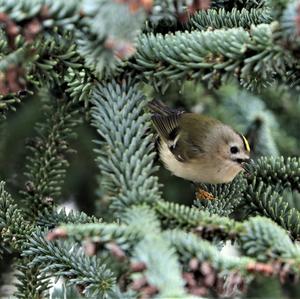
[[204, 195]]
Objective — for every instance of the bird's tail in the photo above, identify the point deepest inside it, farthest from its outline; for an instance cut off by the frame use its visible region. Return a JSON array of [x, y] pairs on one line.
[[158, 107]]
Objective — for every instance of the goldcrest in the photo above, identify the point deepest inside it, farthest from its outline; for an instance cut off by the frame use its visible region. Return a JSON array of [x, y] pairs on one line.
[[198, 148]]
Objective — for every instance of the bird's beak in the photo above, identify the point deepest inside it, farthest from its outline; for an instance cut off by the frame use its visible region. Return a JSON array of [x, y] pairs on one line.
[[244, 162]]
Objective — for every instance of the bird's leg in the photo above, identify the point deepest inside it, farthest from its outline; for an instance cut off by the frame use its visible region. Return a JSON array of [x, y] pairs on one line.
[[202, 194]]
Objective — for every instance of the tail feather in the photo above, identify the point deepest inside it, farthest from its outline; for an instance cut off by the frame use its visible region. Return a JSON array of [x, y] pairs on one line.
[[158, 107]]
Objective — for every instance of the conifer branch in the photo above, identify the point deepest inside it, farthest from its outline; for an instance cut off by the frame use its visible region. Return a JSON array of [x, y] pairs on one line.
[[253, 57], [59, 13], [162, 270], [261, 239], [67, 47], [134, 237], [143, 220], [15, 231], [227, 197], [31, 283], [136, 223], [50, 218], [74, 34], [189, 246], [239, 4], [171, 12], [277, 6], [264, 240], [203, 223], [280, 172], [218, 275], [96, 232], [107, 35], [265, 200], [14, 227], [45, 169], [126, 158], [217, 19], [67, 260]]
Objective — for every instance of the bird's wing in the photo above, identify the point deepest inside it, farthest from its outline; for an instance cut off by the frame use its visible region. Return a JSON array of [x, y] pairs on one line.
[[167, 122], [166, 126], [179, 142]]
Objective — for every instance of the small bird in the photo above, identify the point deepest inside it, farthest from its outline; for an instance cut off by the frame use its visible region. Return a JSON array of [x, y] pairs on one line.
[[196, 147]]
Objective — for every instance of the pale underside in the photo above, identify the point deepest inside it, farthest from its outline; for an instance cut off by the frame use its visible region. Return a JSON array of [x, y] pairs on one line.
[[205, 170]]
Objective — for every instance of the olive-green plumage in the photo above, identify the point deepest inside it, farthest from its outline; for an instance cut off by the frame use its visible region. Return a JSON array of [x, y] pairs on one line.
[[197, 147]]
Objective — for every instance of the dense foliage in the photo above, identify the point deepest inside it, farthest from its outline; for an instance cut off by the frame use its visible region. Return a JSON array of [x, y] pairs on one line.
[[75, 80]]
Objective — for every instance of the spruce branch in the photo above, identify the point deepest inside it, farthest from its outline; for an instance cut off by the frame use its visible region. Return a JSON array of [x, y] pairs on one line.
[[10, 101], [269, 202], [137, 221], [140, 243], [203, 223], [125, 158], [217, 19], [58, 13], [189, 246], [50, 218], [15, 231], [281, 172], [45, 61], [293, 198], [206, 270], [196, 255], [277, 6], [163, 270], [253, 57], [65, 259], [21, 10], [97, 232], [171, 12], [14, 227], [46, 167], [107, 36], [227, 197], [80, 85], [31, 283], [264, 240], [62, 14], [239, 4], [141, 218], [56, 55]]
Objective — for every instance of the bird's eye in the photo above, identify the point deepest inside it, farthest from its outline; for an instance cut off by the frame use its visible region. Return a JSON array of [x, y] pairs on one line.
[[234, 149]]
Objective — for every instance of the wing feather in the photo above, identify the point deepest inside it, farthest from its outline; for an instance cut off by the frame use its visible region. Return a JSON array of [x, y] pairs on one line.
[[166, 126], [167, 123]]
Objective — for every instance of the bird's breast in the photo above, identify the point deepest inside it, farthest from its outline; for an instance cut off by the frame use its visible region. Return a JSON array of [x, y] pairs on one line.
[[205, 169]]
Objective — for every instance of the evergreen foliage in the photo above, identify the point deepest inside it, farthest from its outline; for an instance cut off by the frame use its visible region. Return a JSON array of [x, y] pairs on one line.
[[123, 126], [80, 269], [90, 68], [221, 18], [46, 167]]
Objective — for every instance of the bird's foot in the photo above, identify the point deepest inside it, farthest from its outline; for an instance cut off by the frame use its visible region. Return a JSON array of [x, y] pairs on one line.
[[203, 195]]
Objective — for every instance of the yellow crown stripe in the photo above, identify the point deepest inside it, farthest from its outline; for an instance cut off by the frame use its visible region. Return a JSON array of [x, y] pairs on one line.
[[247, 146]]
